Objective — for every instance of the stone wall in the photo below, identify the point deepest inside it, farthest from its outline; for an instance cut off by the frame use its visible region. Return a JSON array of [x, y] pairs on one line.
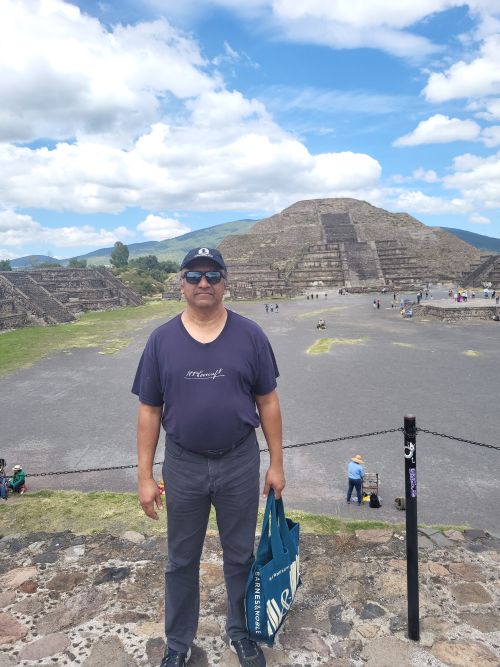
[[52, 296]]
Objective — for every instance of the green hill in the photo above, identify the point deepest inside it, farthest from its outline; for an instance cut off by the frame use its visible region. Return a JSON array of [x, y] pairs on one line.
[[175, 249], [480, 241], [30, 261]]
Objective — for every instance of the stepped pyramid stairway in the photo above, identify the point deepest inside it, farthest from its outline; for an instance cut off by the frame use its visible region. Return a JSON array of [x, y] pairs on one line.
[[487, 271], [53, 296], [360, 261], [42, 303]]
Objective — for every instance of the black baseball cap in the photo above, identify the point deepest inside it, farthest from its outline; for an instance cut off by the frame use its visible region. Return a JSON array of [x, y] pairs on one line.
[[204, 253]]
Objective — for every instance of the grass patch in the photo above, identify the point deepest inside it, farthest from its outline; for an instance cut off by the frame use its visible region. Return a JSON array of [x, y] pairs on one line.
[[110, 512], [323, 311], [471, 353], [109, 330], [323, 345]]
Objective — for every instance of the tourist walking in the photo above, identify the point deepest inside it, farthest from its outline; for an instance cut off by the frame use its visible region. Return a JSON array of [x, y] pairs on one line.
[[208, 376], [355, 475]]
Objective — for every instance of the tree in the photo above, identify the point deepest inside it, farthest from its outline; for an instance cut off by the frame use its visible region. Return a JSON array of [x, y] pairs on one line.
[[5, 265], [75, 263], [119, 255]]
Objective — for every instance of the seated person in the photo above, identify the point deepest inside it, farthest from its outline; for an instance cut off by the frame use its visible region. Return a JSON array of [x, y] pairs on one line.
[[18, 479]]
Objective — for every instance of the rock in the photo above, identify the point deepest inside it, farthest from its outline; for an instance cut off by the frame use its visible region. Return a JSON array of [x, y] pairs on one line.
[[112, 574], [387, 652], [435, 569], [482, 622], [109, 651], [28, 607], [367, 630], [150, 629], [155, 648], [46, 557], [392, 584], [464, 654], [65, 581], [454, 535], [198, 657], [16, 577], [372, 610], [208, 627], [211, 574], [127, 616], [470, 593], [72, 554], [474, 534], [441, 540], [437, 625], [467, 571], [45, 647], [375, 535], [306, 639], [29, 586], [10, 629], [133, 536], [340, 628], [76, 610], [7, 598]]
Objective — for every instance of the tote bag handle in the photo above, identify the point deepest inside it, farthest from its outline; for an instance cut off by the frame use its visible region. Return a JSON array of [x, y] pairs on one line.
[[270, 516], [283, 527]]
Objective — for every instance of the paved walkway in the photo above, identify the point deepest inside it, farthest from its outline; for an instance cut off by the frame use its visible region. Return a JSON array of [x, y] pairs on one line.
[[98, 601]]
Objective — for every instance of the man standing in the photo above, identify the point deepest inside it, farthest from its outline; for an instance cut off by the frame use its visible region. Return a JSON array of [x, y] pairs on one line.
[[208, 376], [355, 474]]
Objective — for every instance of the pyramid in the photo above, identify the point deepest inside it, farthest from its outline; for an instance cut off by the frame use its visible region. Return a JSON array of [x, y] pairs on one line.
[[325, 243]]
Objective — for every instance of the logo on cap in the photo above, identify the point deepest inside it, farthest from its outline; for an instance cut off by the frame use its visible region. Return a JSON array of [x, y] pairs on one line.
[[203, 251]]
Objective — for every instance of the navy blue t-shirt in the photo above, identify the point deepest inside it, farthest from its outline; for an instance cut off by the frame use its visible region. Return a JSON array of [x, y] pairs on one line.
[[207, 390]]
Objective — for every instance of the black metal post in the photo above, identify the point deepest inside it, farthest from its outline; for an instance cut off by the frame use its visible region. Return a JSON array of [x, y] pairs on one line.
[[410, 453]]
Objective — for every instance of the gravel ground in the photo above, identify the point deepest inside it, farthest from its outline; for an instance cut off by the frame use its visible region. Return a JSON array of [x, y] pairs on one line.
[[75, 410]]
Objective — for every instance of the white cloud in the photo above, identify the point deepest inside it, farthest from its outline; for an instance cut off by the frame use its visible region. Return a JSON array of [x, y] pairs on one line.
[[440, 129], [5, 254], [63, 74], [17, 230], [480, 77], [477, 178], [426, 175], [477, 219], [156, 228], [491, 136], [229, 154], [418, 202]]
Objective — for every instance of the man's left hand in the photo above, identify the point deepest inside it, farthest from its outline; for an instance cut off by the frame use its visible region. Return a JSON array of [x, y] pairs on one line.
[[275, 479]]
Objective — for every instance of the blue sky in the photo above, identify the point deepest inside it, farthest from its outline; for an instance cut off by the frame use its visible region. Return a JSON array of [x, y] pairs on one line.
[[146, 119]]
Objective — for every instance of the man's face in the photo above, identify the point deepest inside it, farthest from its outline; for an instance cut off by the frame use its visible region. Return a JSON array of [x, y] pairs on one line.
[[203, 295]]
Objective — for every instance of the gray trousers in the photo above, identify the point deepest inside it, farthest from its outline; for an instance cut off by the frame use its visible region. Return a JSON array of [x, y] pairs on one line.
[[192, 484]]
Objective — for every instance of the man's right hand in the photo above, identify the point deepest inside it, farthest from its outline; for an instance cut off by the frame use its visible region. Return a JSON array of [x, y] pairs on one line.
[[149, 496]]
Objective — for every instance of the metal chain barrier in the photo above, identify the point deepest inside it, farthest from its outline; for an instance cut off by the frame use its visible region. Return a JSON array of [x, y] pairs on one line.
[[454, 437], [400, 429]]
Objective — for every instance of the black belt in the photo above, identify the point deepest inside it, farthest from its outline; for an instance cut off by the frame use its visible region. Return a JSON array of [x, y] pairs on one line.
[[218, 453]]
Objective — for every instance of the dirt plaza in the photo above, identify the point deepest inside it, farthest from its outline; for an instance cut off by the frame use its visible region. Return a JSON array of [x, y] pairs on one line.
[[74, 410]]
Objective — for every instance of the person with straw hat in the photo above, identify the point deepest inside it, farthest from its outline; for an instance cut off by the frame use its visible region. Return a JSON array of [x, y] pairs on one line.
[[355, 474]]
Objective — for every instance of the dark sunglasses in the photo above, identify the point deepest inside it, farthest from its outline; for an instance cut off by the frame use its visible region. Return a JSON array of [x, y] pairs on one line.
[[194, 277]]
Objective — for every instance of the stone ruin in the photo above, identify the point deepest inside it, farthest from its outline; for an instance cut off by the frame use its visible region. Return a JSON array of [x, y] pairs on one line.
[[325, 243], [53, 296], [487, 270]]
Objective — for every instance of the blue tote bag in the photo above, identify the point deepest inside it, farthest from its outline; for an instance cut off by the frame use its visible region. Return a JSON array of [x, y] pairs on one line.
[[275, 576]]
